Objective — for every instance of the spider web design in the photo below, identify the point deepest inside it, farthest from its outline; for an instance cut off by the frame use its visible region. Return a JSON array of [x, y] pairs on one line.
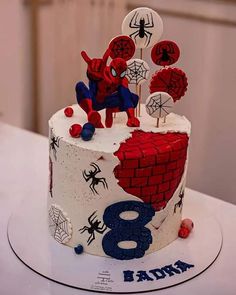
[[137, 72], [122, 48], [159, 106], [59, 225]]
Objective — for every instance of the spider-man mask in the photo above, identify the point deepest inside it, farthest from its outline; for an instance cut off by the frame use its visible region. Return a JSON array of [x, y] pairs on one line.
[[116, 70]]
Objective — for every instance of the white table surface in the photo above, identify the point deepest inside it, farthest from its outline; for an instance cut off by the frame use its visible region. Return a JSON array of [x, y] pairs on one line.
[[24, 171]]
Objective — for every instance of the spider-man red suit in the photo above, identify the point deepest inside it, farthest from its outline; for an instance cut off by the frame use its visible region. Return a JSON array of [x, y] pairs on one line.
[[108, 89]]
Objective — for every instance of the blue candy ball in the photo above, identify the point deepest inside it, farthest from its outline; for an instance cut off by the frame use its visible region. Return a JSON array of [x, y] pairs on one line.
[[89, 126], [79, 249], [86, 134]]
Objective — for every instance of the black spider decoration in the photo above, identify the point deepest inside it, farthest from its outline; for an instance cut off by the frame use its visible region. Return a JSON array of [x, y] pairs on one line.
[[142, 24], [165, 53], [54, 144], [94, 227], [180, 202], [50, 177], [157, 227], [91, 175]]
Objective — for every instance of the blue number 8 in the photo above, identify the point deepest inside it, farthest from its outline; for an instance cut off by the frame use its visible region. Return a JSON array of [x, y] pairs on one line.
[[127, 230]]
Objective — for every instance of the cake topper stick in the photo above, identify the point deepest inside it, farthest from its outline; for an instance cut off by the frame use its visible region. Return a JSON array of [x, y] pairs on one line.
[[159, 105], [123, 47], [164, 53], [137, 87], [137, 73], [139, 102], [140, 88], [145, 27]]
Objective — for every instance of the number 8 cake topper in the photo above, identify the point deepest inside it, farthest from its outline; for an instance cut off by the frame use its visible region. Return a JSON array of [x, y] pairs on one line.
[[144, 26]]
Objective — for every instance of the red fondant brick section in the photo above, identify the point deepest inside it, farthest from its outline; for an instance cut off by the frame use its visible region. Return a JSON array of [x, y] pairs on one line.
[[151, 165]]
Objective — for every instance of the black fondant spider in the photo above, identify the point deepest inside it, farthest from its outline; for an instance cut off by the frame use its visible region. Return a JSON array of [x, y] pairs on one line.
[[142, 24], [157, 227], [180, 202], [50, 177], [91, 174], [94, 227], [54, 144], [164, 54]]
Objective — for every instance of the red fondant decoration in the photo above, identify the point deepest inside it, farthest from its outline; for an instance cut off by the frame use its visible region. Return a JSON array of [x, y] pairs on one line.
[[75, 130], [132, 120], [183, 232], [122, 46], [170, 80], [68, 112], [165, 53], [151, 165], [187, 222], [95, 118]]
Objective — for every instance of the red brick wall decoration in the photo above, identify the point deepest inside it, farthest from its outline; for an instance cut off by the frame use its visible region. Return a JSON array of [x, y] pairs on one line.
[[151, 165]]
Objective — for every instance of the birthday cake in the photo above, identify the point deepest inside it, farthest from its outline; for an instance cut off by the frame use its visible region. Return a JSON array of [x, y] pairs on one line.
[[118, 168]]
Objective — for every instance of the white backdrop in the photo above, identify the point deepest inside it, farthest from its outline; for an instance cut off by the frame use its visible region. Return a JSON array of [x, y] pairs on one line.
[[66, 28], [15, 76]]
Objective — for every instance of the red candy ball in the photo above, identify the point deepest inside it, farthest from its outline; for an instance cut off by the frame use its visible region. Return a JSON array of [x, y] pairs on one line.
[[68, 112], [187, 222], [183, 232], [75, 130]]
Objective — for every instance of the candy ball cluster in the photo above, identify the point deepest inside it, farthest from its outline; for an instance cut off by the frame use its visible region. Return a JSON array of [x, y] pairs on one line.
[[76, 130]]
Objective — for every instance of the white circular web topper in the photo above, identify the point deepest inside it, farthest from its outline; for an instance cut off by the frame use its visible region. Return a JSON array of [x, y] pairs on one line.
[[144, 26], [137, 71], [159, 104]]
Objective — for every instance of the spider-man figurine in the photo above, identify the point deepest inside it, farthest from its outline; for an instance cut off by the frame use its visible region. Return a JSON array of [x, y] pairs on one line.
[[108, 89]]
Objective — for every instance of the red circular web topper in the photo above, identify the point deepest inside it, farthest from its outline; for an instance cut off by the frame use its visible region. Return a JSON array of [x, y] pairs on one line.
[[170, 80], [122, 46], [165, 53]]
